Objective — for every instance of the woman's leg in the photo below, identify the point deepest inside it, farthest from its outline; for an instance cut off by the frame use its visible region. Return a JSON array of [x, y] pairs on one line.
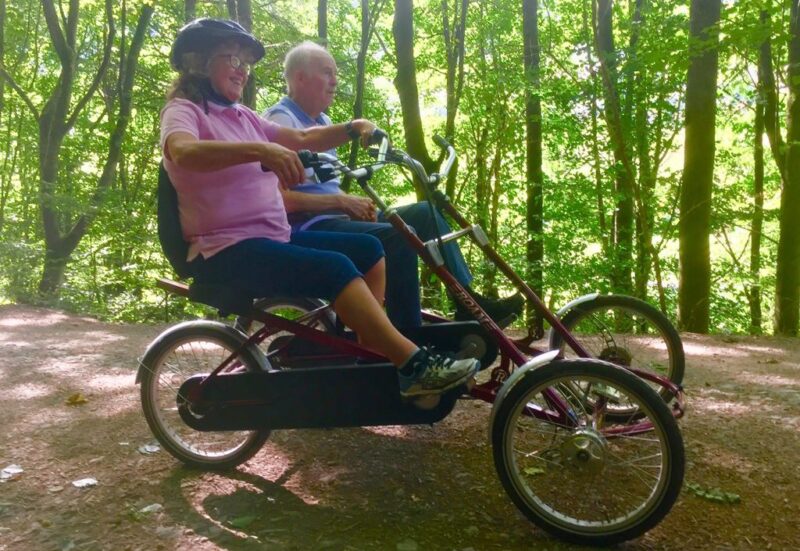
[[402, 276], [362, 313], [375, 278]]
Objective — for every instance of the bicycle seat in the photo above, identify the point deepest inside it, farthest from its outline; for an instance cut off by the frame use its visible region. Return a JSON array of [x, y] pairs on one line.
[[226, 299]]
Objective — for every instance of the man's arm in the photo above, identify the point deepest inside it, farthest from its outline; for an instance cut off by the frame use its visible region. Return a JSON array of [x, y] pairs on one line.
[[322, 138], [357, 208]]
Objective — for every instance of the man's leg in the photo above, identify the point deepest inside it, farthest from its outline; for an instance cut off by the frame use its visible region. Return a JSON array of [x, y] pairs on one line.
[[418, 216], [402, 277]]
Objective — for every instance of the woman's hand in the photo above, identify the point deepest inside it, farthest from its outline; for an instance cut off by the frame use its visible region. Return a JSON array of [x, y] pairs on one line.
[[284, 163]]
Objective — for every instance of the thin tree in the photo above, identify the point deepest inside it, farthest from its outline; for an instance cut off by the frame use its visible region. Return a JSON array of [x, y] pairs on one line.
[[533, 156], [369, 21], [406, 84], [787, 271], [622, 237], [322, 21], [698, 167]]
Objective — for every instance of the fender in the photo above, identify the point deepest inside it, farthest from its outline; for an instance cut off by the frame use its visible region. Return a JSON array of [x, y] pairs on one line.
[[569, 306], [519, 373], [256, 352]]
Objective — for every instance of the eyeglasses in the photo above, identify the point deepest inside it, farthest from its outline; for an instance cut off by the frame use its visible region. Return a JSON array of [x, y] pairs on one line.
[[237, 63]]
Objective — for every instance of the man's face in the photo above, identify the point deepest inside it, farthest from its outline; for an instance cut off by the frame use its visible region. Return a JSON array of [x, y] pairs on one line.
[[317, 82]]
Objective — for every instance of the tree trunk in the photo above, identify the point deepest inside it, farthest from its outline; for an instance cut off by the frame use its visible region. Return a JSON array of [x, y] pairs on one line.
[[454, 34], [533, 157], [54, 124], [597, 170], [406, 84], [322, 21], [2, 55], [242, 12], [787, 271], [361, 62], [189, 10], [754, 292], [623, 217], [698, 168]]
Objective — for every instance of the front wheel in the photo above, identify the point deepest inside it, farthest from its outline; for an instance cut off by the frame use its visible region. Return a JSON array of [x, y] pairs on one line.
[[627, 332], [183, 351], [582, 475]]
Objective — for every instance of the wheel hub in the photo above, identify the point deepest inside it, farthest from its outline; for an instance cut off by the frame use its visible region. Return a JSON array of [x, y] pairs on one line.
[[616, 355], [584, 451]]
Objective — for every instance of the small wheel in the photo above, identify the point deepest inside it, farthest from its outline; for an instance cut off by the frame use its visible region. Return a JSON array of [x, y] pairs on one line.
[[627, 332], [181, 352], [290, 308], [587, 478]]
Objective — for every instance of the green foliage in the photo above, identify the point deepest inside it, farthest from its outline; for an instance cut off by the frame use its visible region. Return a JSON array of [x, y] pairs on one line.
[[111, 272]]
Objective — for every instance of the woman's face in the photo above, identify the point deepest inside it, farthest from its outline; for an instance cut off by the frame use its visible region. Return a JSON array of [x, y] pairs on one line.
[[228, 70]]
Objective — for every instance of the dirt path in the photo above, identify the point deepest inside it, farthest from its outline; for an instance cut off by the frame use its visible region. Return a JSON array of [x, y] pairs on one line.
[[387, 488]]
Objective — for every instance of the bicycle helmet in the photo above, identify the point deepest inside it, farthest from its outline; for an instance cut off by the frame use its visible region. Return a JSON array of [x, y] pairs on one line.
[[201, 35]]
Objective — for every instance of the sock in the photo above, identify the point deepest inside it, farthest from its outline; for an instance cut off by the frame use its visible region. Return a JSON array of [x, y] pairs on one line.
[[407, 367]]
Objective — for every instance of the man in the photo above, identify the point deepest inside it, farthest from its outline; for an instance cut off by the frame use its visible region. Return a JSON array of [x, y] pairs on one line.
[[310, 74]]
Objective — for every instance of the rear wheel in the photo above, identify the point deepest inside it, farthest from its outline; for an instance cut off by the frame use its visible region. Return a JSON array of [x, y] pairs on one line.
[[585, 476], [627, 332], [186, 350]]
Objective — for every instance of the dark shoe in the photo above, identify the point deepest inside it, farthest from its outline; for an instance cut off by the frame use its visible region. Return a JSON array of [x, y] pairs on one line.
[[503, 311], [433, 373]]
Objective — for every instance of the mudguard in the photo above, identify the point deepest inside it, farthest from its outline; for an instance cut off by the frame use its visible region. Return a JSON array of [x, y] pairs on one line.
[[241, 337], [567, 307], [519, 373]]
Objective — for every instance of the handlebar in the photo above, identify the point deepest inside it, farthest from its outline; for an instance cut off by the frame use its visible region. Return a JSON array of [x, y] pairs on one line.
[[327, 166]]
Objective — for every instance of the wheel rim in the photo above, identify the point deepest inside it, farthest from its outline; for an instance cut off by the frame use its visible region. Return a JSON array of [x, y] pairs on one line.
[[627, 338], [187, 358], [587, 479]]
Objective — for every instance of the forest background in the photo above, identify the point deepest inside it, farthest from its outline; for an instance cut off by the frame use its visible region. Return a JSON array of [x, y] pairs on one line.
[[645, 147]]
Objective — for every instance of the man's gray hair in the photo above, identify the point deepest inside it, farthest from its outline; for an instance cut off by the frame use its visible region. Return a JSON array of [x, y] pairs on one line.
[[299, 56]]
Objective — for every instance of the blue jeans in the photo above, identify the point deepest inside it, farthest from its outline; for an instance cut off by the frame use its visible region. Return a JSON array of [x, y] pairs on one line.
[[313, 264], [402, 277]]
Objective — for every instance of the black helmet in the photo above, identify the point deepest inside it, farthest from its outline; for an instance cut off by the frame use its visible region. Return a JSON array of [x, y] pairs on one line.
[[203, 34]]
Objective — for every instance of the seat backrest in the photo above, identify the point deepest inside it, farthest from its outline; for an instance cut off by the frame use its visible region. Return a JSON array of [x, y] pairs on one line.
[[169, 225]]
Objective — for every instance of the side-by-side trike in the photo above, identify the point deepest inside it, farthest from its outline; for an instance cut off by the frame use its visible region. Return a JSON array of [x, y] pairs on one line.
[[583, 431]]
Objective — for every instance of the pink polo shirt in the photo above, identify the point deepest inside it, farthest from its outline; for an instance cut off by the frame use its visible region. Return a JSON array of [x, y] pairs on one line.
[[221, 208]]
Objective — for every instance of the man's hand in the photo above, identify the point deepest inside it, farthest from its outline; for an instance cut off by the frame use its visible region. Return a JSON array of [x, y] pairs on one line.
[[364, 128], [284, 163], [358, 208]]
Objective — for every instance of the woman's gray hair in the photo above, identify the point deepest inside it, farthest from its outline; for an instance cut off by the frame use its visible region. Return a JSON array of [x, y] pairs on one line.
[[298, 58]]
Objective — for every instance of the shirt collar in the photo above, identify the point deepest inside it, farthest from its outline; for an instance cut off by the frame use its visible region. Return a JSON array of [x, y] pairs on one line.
[[298, 112]]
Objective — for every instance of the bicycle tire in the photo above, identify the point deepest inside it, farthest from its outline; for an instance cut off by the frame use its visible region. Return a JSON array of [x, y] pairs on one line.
[[185, 350], [576, 481], [598, 326]]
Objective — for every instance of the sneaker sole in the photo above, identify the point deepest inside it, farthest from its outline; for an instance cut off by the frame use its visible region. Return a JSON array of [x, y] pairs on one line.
[[441, 390]]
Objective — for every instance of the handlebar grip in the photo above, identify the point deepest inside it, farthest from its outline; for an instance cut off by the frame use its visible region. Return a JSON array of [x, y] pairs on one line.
[[308, 158], [378, 136], [441, 142]]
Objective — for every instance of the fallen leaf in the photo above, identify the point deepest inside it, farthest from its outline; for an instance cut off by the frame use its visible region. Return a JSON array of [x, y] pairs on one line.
[[76, 399], [242, 522]]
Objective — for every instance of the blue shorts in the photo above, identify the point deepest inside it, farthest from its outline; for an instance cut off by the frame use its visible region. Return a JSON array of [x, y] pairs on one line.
[[313, 264]]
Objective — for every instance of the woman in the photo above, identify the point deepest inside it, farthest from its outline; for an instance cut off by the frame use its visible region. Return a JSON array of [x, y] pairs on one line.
[[226, 164]]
